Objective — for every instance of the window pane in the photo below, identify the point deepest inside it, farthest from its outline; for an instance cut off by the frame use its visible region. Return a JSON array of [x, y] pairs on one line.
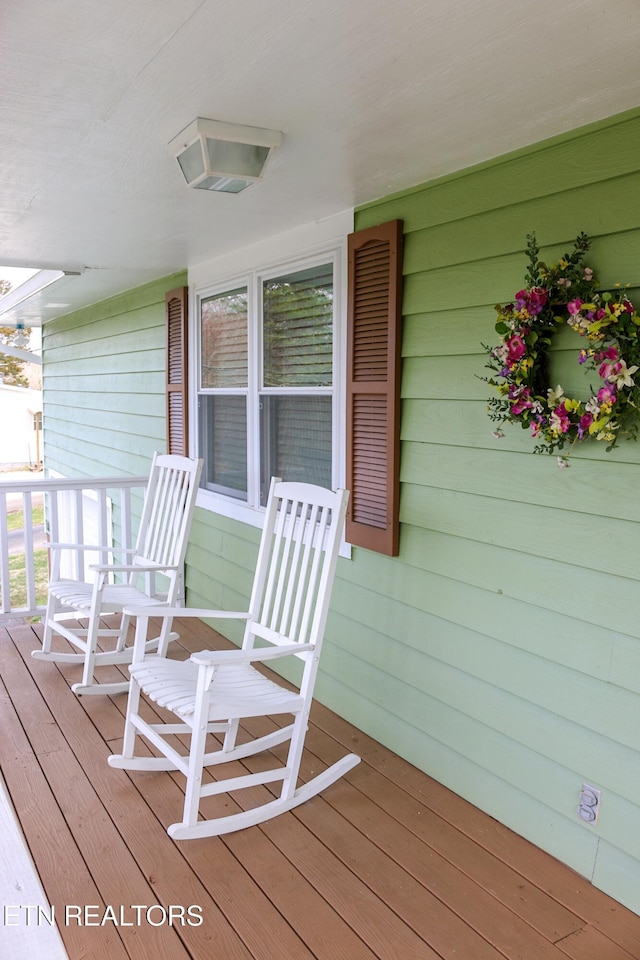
[[298, 326], [295, 439], [223, 332], [223, 444]]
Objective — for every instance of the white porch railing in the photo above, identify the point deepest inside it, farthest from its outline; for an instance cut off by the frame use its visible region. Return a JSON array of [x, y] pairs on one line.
[[90, 510]]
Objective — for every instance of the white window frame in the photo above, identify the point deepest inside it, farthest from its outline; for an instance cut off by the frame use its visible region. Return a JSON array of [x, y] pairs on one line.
[[251, 511]]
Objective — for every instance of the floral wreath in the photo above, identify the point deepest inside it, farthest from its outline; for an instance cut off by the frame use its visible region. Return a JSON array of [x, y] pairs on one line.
[[565, 293]]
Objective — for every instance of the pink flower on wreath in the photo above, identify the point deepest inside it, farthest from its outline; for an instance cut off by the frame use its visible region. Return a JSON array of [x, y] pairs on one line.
[[536, 426], [574, 307], [560, 419], [607, 394], [516, 348], [585, 422], [533, 301], [520, 400], [522, 299], [611, 353]]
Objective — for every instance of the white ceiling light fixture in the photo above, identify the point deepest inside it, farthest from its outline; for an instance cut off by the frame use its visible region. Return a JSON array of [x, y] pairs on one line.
[[223, 157]]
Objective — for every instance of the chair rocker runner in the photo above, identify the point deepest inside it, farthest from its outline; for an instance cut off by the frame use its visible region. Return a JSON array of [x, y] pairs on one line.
[[160, 549], [212, 692]]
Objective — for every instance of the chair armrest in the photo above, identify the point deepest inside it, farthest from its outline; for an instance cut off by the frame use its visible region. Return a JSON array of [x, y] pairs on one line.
[[142, 610], [132, 567], [96, 547], [215, 658], [143, 613]]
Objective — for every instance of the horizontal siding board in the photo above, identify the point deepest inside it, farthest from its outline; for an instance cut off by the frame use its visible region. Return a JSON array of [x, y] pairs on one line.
[[444, 378], [599, 487], [565, 536], [481, 281], [66, 416], [466, 423], [135, 331], [109, 435], [118, 381], [62, 402], [460, 423], [83, 415], [458, 332], [132, 451], [602, 599], [76, 460], [448, 333], [426, 597], [612, 207]]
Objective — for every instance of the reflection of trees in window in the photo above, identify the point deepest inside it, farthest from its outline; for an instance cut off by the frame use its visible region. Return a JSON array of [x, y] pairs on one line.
[[11, 369], [224, 340], [298, 328]]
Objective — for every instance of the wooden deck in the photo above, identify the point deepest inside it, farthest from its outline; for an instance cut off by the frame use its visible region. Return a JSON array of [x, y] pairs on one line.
[[385, 864]]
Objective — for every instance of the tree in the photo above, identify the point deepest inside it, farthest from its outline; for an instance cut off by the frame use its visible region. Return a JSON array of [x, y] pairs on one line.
[[11, 369]]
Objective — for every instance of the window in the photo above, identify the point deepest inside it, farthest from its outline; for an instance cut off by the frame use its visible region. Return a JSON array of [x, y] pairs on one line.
[[267, 400]]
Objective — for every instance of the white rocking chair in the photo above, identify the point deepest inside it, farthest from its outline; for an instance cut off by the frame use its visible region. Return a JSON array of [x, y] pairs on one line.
[[160, 549], [214, 690]]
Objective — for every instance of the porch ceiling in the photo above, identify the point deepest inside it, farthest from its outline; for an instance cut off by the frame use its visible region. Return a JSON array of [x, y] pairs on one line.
[[372, 97]]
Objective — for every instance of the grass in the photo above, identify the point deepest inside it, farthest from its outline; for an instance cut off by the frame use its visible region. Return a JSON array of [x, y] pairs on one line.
[[17, 565], [15, 518], [18, 580]]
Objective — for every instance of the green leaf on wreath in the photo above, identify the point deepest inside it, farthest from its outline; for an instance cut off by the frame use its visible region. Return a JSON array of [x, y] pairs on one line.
[[598, 425]]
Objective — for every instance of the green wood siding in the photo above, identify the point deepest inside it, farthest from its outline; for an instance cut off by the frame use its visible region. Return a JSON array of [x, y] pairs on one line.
[[103, 384]]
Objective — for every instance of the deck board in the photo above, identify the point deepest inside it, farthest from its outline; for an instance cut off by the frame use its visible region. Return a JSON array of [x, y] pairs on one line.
[[386, 863]]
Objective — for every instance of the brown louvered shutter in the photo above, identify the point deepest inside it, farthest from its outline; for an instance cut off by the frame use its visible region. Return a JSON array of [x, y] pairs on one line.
[[373, 387], [176, 386]]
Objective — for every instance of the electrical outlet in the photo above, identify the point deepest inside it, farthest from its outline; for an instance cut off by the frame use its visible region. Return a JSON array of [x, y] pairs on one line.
[[589, 804]]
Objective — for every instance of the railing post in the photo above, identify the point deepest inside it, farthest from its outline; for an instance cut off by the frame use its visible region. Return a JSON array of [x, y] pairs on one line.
[[29, 559]]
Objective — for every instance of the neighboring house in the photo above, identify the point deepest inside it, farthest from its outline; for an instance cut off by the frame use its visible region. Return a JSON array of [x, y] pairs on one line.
[[500, 650], [21, 430]]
